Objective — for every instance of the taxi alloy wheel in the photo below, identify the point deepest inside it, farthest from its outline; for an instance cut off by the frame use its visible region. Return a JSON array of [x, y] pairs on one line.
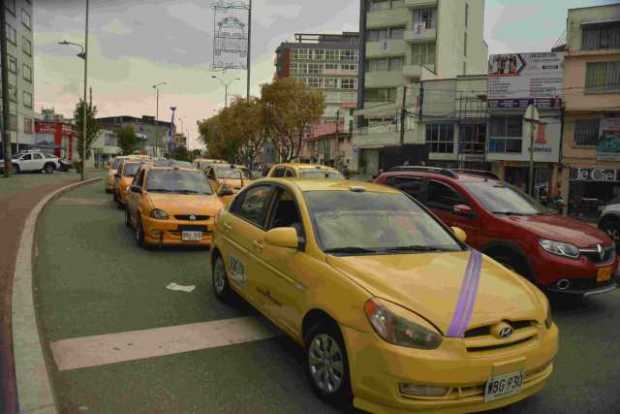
[[220, 280], [139, 233], [327, 365]]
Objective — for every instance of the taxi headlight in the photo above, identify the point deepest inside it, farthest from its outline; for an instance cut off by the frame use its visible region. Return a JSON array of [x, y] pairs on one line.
[[159, 214], [399, 326], [560, 249]]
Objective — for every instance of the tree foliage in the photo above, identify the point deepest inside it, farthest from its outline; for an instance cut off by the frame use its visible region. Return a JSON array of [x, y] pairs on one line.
[[127, 139], [290, 109], [91, 126], [180, 153]]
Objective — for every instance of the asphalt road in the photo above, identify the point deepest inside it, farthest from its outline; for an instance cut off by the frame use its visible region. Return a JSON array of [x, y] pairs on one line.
[[91, 279]]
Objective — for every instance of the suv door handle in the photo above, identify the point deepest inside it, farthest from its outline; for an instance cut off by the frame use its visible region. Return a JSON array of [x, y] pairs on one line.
[[258, 245]]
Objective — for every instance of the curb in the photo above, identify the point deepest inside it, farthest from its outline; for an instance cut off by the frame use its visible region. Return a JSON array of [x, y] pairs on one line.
[[34, 390]]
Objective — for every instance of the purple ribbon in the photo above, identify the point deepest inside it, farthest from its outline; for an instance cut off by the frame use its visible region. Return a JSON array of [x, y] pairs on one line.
[[467, 296]]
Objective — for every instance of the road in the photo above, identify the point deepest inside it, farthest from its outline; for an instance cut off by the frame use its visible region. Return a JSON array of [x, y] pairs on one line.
[[92, 280]]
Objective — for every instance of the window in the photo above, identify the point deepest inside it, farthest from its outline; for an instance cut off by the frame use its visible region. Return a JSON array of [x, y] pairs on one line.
[[394, 33], [347, 54], [28, 125], [27, 73], [286, 213], [423, 54], [301, 54], [601, 36], [314, 82], [26, 46], [506, 135], [465, 44], [279, 172], [466, 14], [349, 67], [289, 173], [415, 187], [139, 180], [11, 34], [27, 157], [10, 6], [443, 197], [603, 77], [472, 138], [424, 19], [319, 54], [253, 205], [110, 140], [376, 5], [12, 64], [396, 63], [27, 96], [26, 20], [37, 156], [12, 93], [331, 83], [397, 33], [314, 68], [331, 55], [380, 94], [381, 65], [347, 83], [587, 132], [440, 138]]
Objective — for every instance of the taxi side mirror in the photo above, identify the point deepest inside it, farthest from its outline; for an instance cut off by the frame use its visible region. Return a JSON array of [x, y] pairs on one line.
[[460, 234], [285, 237]]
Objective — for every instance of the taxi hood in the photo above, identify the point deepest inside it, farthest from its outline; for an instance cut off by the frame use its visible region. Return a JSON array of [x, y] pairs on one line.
[[176, 204], [429, 285]]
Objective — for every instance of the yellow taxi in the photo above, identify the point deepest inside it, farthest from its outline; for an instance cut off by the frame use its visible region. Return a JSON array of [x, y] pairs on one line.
[[395, 312], [124, 177], [305, 172], [206, 163], [228, 179], [171, 205]]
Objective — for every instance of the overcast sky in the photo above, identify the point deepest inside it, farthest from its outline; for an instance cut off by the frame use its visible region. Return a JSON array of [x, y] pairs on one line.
[[137, 43]]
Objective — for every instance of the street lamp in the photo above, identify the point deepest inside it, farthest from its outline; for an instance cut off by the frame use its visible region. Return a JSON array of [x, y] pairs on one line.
[[226, 84], [156, 87], [83, 55]]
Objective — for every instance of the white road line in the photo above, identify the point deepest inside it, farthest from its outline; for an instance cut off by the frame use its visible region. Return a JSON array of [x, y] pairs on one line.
[[113, 348]]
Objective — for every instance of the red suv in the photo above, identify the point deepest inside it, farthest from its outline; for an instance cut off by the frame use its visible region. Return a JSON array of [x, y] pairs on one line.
[[556, 253]]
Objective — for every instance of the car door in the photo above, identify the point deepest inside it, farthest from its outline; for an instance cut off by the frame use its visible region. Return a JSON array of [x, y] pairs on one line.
[[38, 161], [135, 197], [282, 284], [26, 163], [243, 233], [442, 199]]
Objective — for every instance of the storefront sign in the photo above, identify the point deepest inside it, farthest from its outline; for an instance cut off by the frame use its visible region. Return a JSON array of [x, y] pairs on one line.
[[521, 79], [595, 174], [608, 147]]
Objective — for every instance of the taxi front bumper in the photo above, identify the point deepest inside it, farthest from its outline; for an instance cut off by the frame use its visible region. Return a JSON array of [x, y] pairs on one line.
[[378, 368], [170, 232]]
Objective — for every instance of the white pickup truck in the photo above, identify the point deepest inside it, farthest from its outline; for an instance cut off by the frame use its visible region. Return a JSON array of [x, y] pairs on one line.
[[33, 161]]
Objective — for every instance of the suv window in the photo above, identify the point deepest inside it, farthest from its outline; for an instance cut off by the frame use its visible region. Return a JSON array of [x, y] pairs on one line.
[[442, 196], [38, 156], [253, 206], [27, 157], [415, 187]]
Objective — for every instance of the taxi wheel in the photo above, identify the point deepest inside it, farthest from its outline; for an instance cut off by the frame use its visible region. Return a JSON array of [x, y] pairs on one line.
[[127, 218], [139, 233], [327, 365], [220, 280]]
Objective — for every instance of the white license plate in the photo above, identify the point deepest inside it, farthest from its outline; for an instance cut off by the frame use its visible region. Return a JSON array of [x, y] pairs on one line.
[[502, 386], [191, 235]]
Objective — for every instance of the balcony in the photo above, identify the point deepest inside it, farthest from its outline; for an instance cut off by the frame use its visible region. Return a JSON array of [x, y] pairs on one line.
[[413, 71], [376, 136], [387, 18], [418, 4], [384, 79], [385, 48], [420, 35]]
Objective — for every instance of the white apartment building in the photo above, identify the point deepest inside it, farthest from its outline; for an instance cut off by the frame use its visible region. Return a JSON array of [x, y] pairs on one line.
[[403, 43], [21, 73]]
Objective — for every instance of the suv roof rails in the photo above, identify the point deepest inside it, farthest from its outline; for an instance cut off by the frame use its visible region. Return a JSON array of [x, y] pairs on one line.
[[443, 171], [481, 173]]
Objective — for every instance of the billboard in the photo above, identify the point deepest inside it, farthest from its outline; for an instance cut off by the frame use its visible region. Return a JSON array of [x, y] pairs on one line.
[[517, 80], [608, 147]]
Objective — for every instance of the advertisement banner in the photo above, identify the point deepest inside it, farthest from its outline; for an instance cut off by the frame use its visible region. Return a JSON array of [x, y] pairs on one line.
[[608, 148], [519, 79]]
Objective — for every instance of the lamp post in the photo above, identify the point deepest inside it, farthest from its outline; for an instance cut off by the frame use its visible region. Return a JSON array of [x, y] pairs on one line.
[[156, 87], [226, 84]]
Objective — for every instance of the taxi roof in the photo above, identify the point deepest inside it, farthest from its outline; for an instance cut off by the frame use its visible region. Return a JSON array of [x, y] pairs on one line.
[[301, 166], [333, 185]]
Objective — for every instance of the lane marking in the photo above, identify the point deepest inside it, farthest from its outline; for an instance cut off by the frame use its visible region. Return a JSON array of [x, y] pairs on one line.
[[93, 351]]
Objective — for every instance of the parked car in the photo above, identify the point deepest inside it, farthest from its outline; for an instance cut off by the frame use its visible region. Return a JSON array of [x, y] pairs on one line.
[[33, 160], [171, 205], [305, 171], [558, 253], [124, 178], [609, 220], [227, 179], [395, 312]]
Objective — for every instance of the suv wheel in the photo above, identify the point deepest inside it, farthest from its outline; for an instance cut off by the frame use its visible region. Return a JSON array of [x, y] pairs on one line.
[[512, 261], [611, 226], [49, 169], [16, 168]]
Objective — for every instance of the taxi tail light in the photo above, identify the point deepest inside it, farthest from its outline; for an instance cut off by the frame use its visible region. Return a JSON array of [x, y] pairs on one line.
[[415, 390]]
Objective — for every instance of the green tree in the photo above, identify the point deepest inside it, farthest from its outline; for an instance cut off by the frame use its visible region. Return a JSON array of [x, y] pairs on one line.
[[180, 153], [127, 139], [290, 109], [196, 153], [91, 126]]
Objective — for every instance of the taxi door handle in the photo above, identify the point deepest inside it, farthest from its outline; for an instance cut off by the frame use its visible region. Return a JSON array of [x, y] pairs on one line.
[[258, 245]]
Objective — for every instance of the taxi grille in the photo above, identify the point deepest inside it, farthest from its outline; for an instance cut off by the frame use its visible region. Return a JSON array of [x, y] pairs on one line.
[[594, 256], [480, 339], [186, 217]]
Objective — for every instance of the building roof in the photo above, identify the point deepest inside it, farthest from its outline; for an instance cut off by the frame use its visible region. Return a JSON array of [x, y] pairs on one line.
[[120, 119]]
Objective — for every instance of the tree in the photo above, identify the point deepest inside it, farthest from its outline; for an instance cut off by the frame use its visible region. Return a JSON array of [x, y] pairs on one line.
[[127, 139], [180, 153], [196, 153], [245, 127], [91, 126], [290, 109]]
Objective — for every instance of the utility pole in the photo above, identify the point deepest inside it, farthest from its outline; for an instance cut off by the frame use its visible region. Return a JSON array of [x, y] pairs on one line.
[[249, 54], [533, 118], [6, 137], [85, 112], [403, 114]]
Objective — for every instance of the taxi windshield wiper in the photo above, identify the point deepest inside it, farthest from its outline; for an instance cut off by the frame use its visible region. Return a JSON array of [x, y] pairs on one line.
[[350, 250]]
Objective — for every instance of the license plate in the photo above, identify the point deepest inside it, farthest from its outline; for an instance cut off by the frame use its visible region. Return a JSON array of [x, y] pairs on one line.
[[603, 274], [191, 235], [503, 386]]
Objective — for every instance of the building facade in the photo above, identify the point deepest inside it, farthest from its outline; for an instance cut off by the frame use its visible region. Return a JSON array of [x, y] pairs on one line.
[[55, 134], [329, 63], [19, 31], [403, 44], [591, 139], [153, 136], [104, 148]]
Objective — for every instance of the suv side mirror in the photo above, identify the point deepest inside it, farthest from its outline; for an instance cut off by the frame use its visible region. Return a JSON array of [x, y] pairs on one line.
[[463, 210], [285, 237]]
